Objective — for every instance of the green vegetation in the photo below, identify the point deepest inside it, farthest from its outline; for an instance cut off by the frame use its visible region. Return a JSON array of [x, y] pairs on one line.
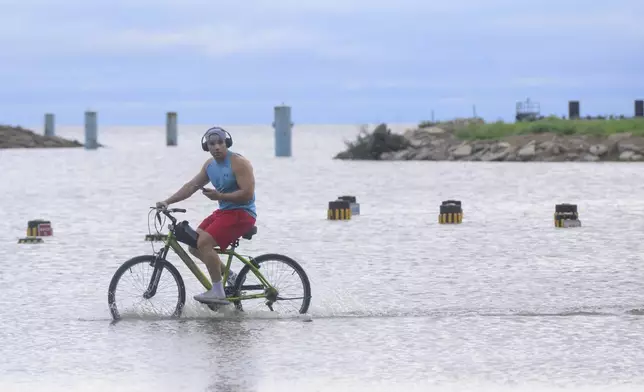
[[556, 125]]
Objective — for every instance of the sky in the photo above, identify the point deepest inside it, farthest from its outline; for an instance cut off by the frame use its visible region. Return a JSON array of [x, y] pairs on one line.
[[332, 61]]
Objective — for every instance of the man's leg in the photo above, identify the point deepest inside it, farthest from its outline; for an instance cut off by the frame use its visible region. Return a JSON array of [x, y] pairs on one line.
[[203, 226], [221, 227], [216, 295], [195, 252]]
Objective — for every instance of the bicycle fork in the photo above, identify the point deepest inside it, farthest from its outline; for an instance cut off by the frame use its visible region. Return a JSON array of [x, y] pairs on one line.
[[154, 280]]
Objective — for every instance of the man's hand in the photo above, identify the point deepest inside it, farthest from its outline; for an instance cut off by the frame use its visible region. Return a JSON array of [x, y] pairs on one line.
[[162, 204], [211, 193]]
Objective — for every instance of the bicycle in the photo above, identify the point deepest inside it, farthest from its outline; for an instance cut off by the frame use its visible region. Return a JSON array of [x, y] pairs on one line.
[[183, 233]]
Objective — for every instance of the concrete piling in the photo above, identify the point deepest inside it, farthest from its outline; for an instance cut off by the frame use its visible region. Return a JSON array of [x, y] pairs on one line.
[[283, 125], [573, 110], [171, 129], [91, 131], [49, 125]]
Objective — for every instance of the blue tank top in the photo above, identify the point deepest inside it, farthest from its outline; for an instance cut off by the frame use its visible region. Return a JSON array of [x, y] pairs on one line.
[[223, 179]]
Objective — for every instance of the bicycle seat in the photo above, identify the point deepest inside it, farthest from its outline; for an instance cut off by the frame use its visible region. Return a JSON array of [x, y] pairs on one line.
[[250, 233]]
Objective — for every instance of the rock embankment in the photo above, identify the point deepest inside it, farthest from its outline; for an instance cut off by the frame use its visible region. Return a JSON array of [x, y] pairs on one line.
[[17, 137], [439, 144]]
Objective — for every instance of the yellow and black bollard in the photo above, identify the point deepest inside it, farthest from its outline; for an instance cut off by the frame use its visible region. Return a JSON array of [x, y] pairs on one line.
[[39, 228], [451, 212], [35, 229], [339, 210], [30, 240], [353, 202], [566, 215]]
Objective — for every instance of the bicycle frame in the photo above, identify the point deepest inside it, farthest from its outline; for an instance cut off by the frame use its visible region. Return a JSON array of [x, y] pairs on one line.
[[172, 243]]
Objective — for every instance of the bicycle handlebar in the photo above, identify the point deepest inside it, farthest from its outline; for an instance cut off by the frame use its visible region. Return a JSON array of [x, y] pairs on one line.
[[166, 212]]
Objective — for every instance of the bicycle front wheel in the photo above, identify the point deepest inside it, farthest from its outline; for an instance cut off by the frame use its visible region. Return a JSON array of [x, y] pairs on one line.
[[146, 285], [293, 288]]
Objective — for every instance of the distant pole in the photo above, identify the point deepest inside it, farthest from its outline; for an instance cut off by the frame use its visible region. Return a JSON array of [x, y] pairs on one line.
[[282, 125], [474, 110], [639, 108], [91, 131], [573, 110], [171, 129], [49, 125]]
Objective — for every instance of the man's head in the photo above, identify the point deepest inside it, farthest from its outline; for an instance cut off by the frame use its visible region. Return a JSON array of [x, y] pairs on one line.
[[214, 141]]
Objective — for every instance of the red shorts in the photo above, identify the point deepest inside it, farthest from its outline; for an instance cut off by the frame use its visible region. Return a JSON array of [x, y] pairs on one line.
[[225, 226]]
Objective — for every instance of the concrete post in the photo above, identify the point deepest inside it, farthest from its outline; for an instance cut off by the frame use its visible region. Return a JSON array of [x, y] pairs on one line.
[[573, 110], [49, 125], [171, 129], [639, 108], [283, 125], [91, 131]]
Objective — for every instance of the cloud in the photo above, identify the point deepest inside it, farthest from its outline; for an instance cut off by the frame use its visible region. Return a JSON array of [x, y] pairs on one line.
[[357, 54], [358, 30], [610, 22], [212, 40], [600, 80]]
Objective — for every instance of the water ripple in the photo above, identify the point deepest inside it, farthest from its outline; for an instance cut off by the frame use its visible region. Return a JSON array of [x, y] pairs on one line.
[[503, 300]]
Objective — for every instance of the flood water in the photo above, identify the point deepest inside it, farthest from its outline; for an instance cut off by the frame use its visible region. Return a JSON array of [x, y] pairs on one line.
[[502, 302]]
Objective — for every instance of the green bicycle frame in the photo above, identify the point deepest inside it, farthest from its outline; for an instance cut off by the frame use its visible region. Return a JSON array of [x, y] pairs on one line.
[[172, 243]]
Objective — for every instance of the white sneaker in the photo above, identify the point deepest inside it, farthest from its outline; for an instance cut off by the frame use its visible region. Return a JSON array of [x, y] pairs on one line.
[[211, 297]]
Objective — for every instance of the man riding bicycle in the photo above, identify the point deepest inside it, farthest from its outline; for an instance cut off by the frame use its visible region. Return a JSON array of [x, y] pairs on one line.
[[234, 188]]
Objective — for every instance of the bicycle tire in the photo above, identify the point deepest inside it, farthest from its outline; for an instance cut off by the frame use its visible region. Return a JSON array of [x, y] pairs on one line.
[[241, 277], [181, 300]]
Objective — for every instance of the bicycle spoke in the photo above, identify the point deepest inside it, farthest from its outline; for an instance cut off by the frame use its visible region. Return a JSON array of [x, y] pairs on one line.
[[135, 282], [292, 294]]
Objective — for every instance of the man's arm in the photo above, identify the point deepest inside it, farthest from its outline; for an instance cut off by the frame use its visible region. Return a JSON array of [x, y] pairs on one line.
[[245, 180], [190, 187]]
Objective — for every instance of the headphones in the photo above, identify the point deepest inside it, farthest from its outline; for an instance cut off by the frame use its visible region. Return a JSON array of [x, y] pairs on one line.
[[204, 143]]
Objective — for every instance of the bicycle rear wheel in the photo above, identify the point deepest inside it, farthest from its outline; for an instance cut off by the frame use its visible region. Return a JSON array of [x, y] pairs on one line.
[[293, 287], [148, 282]]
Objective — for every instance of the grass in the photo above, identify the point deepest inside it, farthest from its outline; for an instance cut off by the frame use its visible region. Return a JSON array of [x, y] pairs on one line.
[[595, 127]]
